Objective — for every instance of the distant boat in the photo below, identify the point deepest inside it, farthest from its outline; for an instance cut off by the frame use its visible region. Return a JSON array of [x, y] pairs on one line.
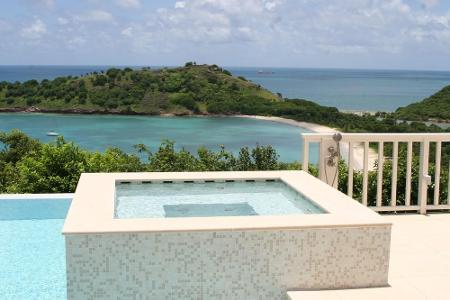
[[265, 72], [52, 133]]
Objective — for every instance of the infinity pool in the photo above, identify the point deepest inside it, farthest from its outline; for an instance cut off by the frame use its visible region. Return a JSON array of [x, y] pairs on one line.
[[171, 199], [32, 251]]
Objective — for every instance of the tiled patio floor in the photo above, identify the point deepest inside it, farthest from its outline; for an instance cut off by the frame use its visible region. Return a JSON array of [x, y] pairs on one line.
[[419, 265]]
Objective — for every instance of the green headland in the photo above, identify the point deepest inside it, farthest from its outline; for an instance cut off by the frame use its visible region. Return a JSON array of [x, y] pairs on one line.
[[201, 90]]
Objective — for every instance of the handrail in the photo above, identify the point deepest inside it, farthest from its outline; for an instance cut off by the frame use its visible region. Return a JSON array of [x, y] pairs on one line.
[[379, 137], [352, 141]]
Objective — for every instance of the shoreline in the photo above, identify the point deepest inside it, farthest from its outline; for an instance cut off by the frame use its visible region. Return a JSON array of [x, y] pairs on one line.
[[358, 151], [317, 128]]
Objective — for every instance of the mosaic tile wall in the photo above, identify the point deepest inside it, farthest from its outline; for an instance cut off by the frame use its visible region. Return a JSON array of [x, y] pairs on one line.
[[225, 265]]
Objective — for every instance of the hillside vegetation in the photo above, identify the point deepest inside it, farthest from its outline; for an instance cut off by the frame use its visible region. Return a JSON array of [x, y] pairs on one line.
[[435, 107], [184, 90]]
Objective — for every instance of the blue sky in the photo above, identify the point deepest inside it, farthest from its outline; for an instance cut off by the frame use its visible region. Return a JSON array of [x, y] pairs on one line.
[[389, 34]]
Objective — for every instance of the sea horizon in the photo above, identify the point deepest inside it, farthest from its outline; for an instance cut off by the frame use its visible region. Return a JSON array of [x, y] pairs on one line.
[[227, 66], [346, 89]]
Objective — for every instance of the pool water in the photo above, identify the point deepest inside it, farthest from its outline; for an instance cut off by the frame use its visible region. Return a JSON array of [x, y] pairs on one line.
[[32, 249], [209, 199]]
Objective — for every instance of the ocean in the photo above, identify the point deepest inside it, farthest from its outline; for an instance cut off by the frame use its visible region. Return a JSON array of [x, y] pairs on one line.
[[98, 132], [358, 90]]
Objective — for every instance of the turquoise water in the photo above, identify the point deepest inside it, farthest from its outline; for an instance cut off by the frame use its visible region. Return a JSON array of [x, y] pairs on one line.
[[195, 199], [368, 90], [32, 250], [96, 132]]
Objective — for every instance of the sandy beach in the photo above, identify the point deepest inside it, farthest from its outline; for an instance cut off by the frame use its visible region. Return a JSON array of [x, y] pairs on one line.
[[358, 150]]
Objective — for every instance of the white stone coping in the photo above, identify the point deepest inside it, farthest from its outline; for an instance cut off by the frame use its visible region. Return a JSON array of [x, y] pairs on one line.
[[385, 293], [56, 196], [92, 208]]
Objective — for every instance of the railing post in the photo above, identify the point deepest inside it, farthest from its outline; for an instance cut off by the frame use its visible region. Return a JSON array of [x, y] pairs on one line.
[[424, 178], [305, 163]]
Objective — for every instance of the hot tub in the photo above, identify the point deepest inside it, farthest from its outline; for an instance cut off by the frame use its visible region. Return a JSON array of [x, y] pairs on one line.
[[218, 235], [209, 198]]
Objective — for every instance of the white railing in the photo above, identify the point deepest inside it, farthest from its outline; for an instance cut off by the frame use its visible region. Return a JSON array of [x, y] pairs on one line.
[[351, 143]]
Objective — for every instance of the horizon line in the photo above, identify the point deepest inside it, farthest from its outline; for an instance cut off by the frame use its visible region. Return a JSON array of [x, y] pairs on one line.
[[229, 66]]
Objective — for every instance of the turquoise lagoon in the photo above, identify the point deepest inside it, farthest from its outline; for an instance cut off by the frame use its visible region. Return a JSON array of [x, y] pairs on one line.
[[98, 132]]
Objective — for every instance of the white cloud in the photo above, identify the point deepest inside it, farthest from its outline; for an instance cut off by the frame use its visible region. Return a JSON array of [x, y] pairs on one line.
[[369, 26], [62, 21], [343, 49], [271, 5], [396, 5], [129, 3], [5, 26], [35, 30], [95, 16], [216, 28], [214, 21], [76, 42], [246, 34], [180, 4], [42, 4], [127, 31], [429, 3], [140, 39], [48, 3]]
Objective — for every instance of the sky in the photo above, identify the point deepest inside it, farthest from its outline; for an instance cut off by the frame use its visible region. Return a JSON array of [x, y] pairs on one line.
[[367, 34]]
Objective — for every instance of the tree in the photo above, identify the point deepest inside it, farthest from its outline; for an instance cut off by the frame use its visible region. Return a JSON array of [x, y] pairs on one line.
[[113, 73], [100, 80], [186, 100]]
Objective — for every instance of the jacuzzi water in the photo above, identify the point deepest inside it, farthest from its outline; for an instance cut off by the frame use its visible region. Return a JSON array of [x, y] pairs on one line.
[[32, 251], [209, 199]]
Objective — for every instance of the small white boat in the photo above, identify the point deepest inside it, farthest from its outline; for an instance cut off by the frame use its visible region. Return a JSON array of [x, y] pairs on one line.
[[265, 72], [52, 133]]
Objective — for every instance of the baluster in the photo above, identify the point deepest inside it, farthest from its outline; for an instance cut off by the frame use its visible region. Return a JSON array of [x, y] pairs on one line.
[[365, 173], [437, 175], [350, 170], [448, 187], [408, 174], [423, 176], [394, 174], [380, 173]]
